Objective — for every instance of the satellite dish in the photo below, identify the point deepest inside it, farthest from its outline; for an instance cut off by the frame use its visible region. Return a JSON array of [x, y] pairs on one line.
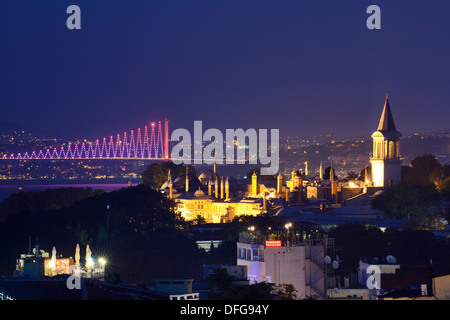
[[335, 264], [391, 259], [336, 290], [327, 260]]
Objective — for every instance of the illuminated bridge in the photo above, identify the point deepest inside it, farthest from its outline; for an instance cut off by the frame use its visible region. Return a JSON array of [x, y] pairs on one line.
[[153, 145]]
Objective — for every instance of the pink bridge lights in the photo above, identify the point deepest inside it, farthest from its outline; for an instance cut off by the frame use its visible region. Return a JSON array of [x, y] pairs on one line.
[[138, 146]]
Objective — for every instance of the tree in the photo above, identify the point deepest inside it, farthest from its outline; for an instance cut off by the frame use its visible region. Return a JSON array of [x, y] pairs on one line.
[[407, 201], [199, 220], [258, 291], [220, 279], [156, 174], [443, 186], [284, 290], [362, 174], [326, 174], [351, 176], [440, 173], [421, 169]]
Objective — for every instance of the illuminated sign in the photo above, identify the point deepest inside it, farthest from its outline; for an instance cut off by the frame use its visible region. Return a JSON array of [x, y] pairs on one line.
[[273, 243]]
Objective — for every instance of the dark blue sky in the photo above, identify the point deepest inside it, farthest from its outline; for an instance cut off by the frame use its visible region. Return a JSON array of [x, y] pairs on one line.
[[304, 67]]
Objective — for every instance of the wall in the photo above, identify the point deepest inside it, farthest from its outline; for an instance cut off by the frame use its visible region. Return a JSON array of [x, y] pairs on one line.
[[441, 287]]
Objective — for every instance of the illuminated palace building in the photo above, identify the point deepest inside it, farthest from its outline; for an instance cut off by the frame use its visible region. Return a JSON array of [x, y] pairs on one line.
[[219, 199]]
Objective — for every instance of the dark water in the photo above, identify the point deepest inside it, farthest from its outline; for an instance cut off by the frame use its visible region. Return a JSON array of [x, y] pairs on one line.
[[7, 190]]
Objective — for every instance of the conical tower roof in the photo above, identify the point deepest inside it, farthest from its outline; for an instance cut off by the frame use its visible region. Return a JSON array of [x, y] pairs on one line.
[[387, 120]]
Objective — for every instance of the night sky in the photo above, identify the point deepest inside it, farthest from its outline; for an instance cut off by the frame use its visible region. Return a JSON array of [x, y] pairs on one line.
[[304, 67]]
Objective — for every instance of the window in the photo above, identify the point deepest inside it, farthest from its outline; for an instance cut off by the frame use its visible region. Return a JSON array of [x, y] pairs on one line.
[[379, 150], [391, 150], [397, 149]]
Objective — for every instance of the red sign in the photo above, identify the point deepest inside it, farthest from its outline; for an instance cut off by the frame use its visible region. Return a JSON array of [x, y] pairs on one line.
[[273, 243]]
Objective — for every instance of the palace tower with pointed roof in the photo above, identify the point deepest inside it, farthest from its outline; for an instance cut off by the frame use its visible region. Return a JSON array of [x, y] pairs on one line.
[[386, 162]]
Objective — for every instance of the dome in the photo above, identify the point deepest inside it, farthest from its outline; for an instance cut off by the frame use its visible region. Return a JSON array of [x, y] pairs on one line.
[[288, 212], [199, 193]]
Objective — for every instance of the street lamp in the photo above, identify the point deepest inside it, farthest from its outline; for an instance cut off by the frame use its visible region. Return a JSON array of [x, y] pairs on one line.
[[287, 226], [102, 262], [251, 232]]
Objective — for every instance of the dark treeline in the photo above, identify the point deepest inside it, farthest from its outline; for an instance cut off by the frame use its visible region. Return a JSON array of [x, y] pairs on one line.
[[44, 201], [140, 235], [135, 229]]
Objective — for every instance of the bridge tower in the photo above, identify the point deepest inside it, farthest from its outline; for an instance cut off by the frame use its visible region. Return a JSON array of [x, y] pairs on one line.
[[166, 139]]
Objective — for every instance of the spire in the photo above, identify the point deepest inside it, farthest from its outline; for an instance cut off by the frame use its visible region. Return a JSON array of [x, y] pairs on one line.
[[209, 186], [279, 183], [187, 180], [321, 171], [216, 187], [227, 189], [387, 120]]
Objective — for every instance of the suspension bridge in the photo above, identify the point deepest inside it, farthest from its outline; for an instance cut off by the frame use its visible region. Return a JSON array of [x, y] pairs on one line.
[[151, 144]]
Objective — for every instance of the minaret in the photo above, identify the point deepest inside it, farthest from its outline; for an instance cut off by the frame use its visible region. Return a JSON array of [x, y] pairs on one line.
[[265, 202], [254, 184], [209, 186], [306, 168], [170, 185], [291, 185], [321, 171], [216, 188], [187, 180], [221, 188], [214, 169], [279, 183], [299, 185], [385, 161], [288, 195], [366, 175], [227, 189], [333, 185], [294, 174]]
